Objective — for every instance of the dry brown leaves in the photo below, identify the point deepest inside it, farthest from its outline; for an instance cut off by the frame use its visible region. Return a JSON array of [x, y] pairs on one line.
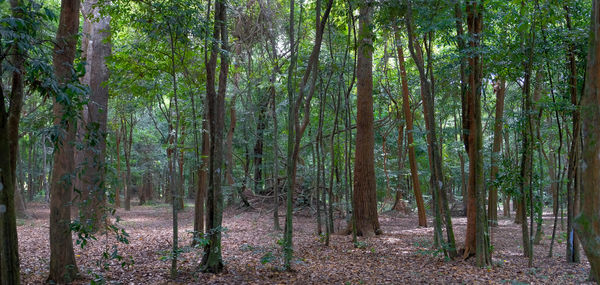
[[402, 255]]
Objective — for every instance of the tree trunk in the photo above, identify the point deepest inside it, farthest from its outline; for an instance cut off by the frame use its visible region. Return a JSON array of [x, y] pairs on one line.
[[212, 260], [118, 137], [572, 244], [500, 89], [93, 174], [258, 146], [202, 185], [435, 160], [587, 222], [412, 160], [365, 196], [476, 213], [9, 137], [127, 150], [63, 268], [525, 185]]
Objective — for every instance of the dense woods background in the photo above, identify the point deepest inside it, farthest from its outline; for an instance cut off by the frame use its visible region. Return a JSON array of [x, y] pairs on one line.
[[426, 133]]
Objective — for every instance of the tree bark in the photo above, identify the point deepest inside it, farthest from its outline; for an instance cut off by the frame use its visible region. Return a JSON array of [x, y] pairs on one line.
[[476, 189], [213, 260], [572, 244], [365, 195], [500, 89], [63, 268], [9, 137], [587, 222], [412, 160], [93, 174], [435, 160]]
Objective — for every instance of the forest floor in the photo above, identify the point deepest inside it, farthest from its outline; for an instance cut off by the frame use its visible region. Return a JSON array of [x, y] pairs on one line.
[[401, 255]]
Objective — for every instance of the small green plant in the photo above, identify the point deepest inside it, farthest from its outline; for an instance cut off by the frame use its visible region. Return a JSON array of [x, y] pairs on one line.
[[267, 258], [361, 244]]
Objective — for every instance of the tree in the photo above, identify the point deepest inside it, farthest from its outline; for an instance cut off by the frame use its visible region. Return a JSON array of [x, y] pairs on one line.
[[500, 90], [587, 222], [296, 127], [364, 200], [95, 121], [9, 141], [414, 171], [63, 268], [436, 180], [476, 189], [213, 260]]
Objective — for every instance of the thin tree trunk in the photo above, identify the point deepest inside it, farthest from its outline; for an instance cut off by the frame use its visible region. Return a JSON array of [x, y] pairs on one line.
[[212, 260], [500, 89], [412, 160]]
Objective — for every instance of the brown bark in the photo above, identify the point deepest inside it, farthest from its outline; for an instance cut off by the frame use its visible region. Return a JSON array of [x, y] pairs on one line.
[[477, 238], [9, 124], [14, 113], [587, 222], [365, 195], [412, 160], [500, 89], [212, 260], [63, 268]]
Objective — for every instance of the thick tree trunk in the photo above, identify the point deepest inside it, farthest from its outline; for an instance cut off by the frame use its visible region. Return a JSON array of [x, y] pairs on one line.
[[14, 113], [9, 120], [92, 177], [587, 222], [365, 196], [477, 223], [63, 268]]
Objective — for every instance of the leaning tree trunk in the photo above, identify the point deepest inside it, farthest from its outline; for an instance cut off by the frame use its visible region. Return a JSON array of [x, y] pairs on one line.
[[587, 222], [63, 268], [412, 160]]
